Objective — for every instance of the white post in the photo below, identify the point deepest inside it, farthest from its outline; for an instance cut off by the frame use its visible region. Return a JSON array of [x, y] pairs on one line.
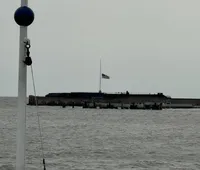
[[100, 76], [21, 116]]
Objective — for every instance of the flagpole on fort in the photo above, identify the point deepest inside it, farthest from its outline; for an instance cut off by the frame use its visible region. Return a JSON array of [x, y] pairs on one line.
[[100, 76]]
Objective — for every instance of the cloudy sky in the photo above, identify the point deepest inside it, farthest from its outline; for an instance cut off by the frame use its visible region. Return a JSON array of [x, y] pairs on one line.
[[146, 46]]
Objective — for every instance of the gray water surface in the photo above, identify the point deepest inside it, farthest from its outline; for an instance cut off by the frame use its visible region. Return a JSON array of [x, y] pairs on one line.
[[83, 139]]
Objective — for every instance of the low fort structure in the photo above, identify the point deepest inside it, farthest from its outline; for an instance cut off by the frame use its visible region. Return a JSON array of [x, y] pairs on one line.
[[119, 100]]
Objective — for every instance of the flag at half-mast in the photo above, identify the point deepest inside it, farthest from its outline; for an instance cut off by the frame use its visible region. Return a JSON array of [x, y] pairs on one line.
[[104, 76]]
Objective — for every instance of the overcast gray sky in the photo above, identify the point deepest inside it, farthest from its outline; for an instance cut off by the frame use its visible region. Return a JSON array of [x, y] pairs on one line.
[[146, 46]]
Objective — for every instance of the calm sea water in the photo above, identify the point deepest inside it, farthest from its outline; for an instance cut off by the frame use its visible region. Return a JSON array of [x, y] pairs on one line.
[[77, 139]]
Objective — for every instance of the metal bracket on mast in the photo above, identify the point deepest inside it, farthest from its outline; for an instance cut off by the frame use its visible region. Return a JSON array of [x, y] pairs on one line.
[[28, 60]]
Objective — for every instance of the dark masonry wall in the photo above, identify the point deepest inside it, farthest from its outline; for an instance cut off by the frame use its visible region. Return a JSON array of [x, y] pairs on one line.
[[77, 97], [81, 98]]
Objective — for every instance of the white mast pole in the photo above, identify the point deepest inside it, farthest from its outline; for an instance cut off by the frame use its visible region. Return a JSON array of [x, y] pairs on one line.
[[21, 116], [100, 76]]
